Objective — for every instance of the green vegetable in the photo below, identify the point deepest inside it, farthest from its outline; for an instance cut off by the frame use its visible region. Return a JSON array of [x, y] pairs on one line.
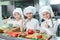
[[37, 39], [1, 28], [44, 35], [41, 39], [34, 39]]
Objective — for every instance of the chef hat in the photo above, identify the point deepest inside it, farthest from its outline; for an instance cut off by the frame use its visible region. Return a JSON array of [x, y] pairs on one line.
[[19, 10], [30, 9], [46, 9]]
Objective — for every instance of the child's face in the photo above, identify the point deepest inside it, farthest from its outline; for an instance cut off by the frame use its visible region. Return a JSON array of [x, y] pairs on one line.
[[17, 15], [29, 15], [46, 15]]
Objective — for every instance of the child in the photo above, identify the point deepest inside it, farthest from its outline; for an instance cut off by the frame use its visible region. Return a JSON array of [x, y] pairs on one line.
[[30, 22], [18, 15], [49, 24]]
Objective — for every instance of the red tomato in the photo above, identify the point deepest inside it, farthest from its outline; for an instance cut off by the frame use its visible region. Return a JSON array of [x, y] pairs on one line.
[[13, 34], [39, 36], [10, 33], [30, 31]]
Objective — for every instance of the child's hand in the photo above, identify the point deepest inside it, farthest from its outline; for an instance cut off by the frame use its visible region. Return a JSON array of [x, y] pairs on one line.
[[46, 25], [7, 19]]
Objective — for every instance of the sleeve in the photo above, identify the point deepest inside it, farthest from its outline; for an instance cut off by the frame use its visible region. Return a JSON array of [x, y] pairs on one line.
[[37, 24], [42, 26], [24, 24], [21, 26]]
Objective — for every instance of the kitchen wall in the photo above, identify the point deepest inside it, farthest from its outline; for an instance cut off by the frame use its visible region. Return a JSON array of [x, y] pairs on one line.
[[22, 4]]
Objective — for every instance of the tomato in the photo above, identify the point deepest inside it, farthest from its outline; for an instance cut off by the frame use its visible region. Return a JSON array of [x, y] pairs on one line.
[[30, 31], [39, 36], [13, 34], [10, 33]]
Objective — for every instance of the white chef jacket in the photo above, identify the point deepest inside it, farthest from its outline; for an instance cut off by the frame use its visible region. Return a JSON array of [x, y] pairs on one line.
[[49, 31], [31, 24]]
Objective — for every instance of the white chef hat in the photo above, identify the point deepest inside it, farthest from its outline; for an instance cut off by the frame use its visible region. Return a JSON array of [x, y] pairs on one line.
[[19, 10], [46, 9], [29, 9]]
